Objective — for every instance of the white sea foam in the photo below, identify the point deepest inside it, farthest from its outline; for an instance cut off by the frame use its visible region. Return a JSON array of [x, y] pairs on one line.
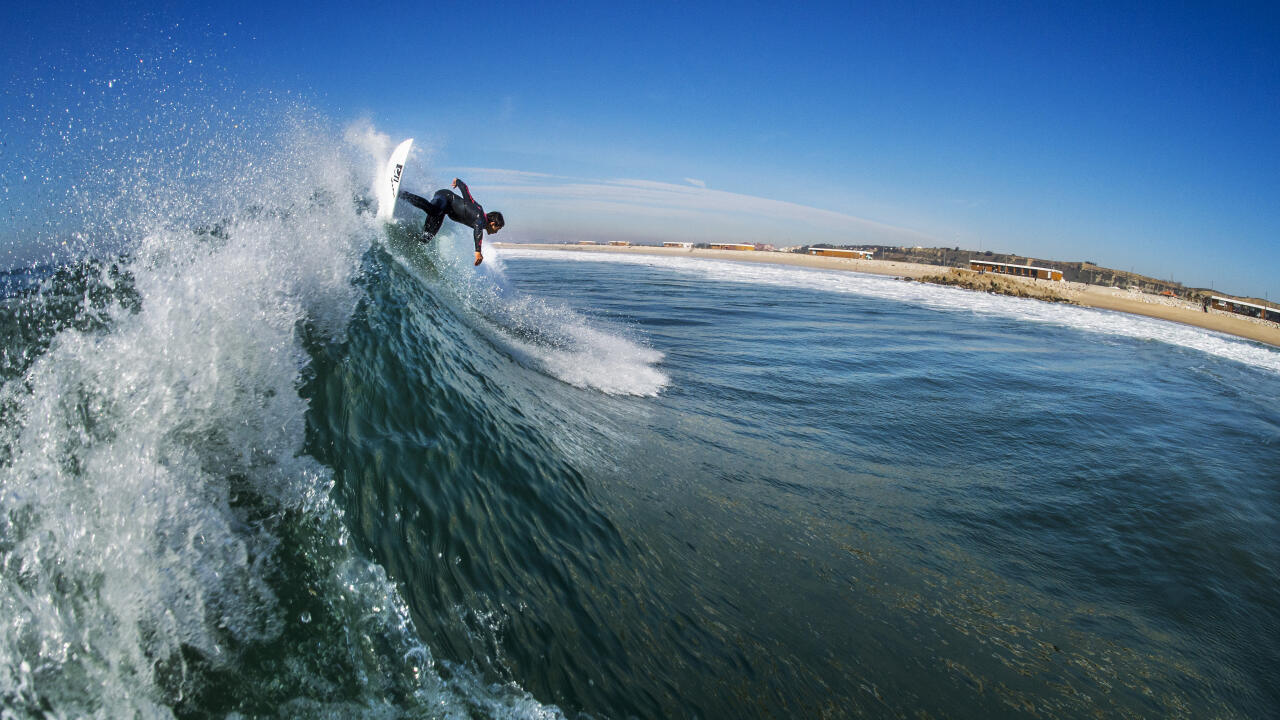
[[944, 298], [550, 336], [574, 351]]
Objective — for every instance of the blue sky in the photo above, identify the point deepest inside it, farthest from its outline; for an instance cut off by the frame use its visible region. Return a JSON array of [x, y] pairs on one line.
[[1136, 135]]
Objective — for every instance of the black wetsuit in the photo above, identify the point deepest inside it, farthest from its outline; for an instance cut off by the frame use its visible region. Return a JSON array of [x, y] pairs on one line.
[[464, 210]]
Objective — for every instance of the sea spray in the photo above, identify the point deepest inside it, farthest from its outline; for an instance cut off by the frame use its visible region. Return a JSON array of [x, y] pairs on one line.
[[165, 544]]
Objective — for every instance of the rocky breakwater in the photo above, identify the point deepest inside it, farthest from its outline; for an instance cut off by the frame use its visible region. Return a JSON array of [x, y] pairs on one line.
[[1000, 285]]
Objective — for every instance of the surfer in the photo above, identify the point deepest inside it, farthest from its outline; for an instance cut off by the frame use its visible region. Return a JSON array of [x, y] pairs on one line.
[[459, 208]]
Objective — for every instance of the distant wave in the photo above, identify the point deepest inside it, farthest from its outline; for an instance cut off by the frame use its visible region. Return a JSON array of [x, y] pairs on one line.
[[947, 299]]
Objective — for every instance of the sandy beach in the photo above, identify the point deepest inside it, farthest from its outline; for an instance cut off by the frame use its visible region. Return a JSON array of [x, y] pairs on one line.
[[1095, 296]]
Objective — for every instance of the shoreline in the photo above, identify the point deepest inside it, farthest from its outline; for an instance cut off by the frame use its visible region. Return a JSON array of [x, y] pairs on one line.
[[1094, 296]]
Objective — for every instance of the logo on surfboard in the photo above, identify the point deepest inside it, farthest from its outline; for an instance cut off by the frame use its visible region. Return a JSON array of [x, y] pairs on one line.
[[391, 175]]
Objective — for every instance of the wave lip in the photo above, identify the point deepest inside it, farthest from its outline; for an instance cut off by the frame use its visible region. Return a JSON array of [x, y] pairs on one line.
[[134, 558], [162, 531]]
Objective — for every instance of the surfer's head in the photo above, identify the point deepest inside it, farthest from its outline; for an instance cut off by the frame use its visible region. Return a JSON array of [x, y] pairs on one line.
[[494, 221]]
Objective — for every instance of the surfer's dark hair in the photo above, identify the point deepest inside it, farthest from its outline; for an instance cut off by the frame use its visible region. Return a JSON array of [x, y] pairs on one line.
[[495, 217]]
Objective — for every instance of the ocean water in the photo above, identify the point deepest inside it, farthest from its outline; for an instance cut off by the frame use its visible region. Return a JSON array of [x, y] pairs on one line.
[[268, 459]]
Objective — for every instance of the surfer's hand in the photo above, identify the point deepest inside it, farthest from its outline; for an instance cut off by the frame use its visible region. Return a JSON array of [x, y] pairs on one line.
[[479, 258], [455, 182]]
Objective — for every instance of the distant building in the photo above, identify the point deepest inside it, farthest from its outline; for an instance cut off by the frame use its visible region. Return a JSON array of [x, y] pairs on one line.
[[588, 242], [685, 245], [620, 243], [1030, 271], [731, 246], [1243, 308], [843, 253]]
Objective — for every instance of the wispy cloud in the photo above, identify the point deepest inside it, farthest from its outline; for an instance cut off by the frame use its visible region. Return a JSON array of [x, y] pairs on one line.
[[543, 206], [696, 182], [500, 175]]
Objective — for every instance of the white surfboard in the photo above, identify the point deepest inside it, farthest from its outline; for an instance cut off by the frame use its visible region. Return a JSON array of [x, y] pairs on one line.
[[388, 186]]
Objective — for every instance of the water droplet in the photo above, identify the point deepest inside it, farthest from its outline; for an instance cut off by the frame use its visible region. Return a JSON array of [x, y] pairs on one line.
[[305, 618]]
